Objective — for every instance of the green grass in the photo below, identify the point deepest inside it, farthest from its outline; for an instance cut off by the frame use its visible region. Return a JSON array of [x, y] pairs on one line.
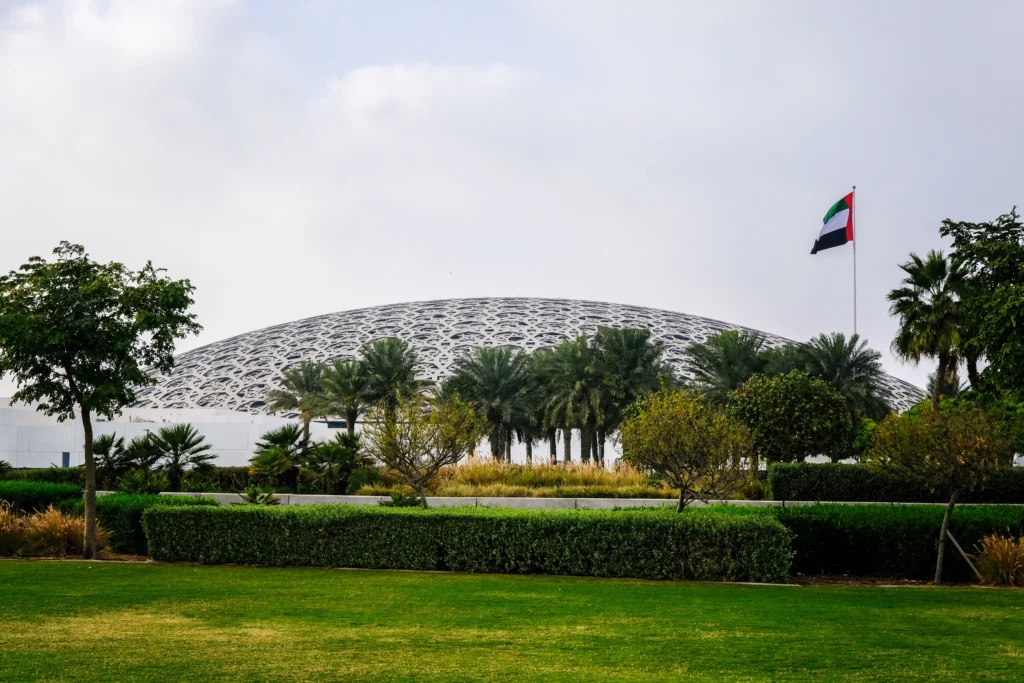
[[100, 622]]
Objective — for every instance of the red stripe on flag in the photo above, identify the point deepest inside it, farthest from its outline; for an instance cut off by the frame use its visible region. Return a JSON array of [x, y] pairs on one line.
[[849, 219]]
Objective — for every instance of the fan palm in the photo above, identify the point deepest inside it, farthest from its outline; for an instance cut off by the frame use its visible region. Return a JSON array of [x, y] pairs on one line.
[[141, 452], [332, 462], [497, 382], [111, 460], [852, 369], [181, 448], [288, 437], [574, 393], [301, 390], [343, 391], [631, 367], [388, 372], [724, 361], [930, 317]]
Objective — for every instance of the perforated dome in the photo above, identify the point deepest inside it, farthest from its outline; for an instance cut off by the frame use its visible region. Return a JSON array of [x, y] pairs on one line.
[[236, 373]]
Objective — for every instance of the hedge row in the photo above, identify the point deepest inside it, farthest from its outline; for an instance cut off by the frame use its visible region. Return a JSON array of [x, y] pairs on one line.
[[53, 475], [637, 544], [857, 483], [120, 515], [885, 541], [28, 496]]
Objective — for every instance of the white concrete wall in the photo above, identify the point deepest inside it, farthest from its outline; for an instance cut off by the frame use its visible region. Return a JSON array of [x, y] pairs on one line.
[[30, 439]]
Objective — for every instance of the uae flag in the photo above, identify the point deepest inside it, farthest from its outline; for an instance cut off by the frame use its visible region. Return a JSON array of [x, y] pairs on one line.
[[836, 226]]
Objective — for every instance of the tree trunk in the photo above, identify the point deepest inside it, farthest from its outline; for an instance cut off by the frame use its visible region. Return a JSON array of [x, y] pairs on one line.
[[942, 536], [89, 552], [422, 492], [682, 501], [940, 374], [508, 446], [972, 372], [553, 445], [601, 436], [529, 452], [350, 421], [593, 445], [584, 445], [306, 418], [567, 445], [496, 442]]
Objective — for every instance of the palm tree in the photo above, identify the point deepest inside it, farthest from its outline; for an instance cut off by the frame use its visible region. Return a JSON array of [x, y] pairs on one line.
[[852, 369], [631, 367], [574, 393], [950, 385], [111, 461], [301, 390], [181, 448], [141, 452], [388, 372], [930, 317], [332, 462], [288, 437], [542, 364], [724, 361], [344, 391], [782, 360], [497, 382]]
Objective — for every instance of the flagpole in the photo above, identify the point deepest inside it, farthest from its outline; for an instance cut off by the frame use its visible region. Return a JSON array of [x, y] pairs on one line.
[[853, 220]]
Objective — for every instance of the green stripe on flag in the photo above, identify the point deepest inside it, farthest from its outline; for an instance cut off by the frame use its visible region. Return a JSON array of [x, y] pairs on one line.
[[836, 208]]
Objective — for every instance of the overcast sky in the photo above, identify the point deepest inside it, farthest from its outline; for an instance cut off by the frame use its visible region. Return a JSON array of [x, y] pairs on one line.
[[302, 157]]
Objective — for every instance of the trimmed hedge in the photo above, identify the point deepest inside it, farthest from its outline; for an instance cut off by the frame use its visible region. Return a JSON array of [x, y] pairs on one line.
[[53, 475], [120, 515], [895, 541], [857, 483], [885, 541], [28, 496], [636, 544]]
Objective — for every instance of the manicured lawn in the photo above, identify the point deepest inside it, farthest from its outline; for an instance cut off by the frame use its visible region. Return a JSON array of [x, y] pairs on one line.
[[103, 622]]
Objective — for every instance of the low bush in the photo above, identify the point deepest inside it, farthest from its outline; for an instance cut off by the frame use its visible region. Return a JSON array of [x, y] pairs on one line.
[[121, 515], [1000, 560], [894, 541], [856, 483], [636, 544], [27, 496]]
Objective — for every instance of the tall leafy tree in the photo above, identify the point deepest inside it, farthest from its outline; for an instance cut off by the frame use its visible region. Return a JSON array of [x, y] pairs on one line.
[[991, 258], [80, 337], [302, 390], [497, 381], [344, 391], [181, 448], [542, 368], [724, 362], [952, 451], [851, 368], [792, 417], [931, 321], [389, 371]]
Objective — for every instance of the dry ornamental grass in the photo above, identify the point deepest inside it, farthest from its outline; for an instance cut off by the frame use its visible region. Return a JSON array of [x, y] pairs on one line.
[[50, 533], [1000, 559]]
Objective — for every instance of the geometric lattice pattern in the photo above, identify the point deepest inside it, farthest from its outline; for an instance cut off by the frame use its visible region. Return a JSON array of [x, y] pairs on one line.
[[236, 373]]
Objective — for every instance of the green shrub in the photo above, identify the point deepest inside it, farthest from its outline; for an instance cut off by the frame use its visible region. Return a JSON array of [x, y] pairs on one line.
[[120, 515], [893, 541], [856, 483], [28, 496], [53, 475], [635, 544]]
